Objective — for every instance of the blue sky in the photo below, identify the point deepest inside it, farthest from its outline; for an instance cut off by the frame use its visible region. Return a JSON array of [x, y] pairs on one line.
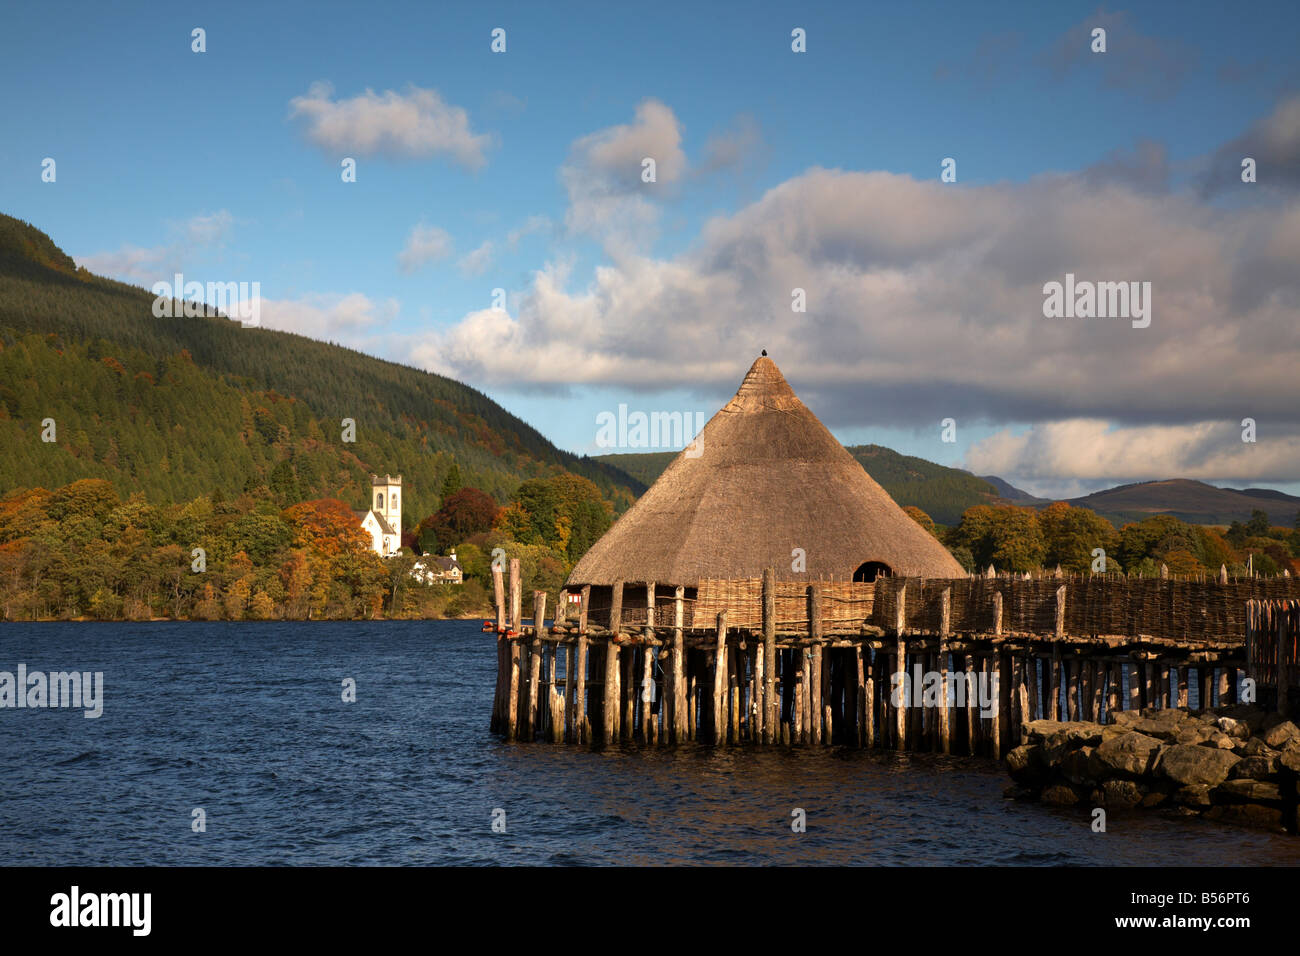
[[517, 170]]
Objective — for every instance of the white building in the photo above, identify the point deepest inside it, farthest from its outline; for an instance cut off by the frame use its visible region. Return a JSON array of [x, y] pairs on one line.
[[383, 522], [436, 570]]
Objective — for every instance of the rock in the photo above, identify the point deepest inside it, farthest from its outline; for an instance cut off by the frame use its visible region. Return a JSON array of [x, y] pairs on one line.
[[1121, 793], [1281, 734], [1154, 799], [1036, 731], [1024, 764], [1059, 794], [1290, 758], [1254, 768], [1248, 791], [1196, 733], [1236, 729], [1196, 796], [1076, 767], [1164, 725], [1191, 765], [1129, 753], [1249, 714], [1253, 747], [1221, 740]]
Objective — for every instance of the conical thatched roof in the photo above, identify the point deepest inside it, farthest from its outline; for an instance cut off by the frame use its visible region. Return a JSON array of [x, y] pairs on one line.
[[768, 478]]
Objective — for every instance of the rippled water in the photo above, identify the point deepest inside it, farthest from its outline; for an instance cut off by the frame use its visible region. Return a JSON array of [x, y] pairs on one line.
[[247, 721]]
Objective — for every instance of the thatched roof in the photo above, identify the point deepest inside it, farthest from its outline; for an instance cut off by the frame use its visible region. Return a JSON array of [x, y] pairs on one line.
[[769, 478]]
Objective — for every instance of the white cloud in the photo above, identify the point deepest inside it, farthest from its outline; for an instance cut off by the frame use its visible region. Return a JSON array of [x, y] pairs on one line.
[[346, 318], [603, 177], [925, 301], [425, 245], [476, 262], [416, 123], [197, 235], [1096, 450]]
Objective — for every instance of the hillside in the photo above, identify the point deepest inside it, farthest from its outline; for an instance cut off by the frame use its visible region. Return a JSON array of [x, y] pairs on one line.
[[176, 408], [1192, 501]]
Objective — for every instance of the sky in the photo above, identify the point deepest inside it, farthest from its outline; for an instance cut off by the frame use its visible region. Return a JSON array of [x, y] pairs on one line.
[[501, 229]]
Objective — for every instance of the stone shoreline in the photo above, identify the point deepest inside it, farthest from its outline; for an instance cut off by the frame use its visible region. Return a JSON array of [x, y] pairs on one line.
[[1237, 764]]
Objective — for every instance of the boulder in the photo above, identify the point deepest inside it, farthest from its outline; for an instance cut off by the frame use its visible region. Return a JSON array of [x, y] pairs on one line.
[[1290, 758], [1249, 714], [1254, 768], [1191, 765], [1076, 766], [1281, 734], [1196, 796], [1251, 747], [1195, 733], [1059, 794], [1164, 724], [1247, 791], [1247, 815], [1024, 764], [1129, 753], [1121, 793], [1221, 740]]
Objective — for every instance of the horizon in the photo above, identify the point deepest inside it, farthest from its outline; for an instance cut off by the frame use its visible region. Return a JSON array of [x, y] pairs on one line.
[[479, 171]]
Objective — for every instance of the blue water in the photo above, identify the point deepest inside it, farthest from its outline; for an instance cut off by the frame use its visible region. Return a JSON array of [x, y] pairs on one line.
[[247, 721]]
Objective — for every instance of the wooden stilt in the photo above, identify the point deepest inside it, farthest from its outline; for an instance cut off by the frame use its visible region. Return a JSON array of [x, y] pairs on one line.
[[1055, 702], [1182, 685], [679, 668], [898, 699], [611, 708]]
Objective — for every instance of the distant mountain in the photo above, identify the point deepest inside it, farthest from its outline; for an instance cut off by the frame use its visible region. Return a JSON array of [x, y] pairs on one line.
[[1010, 492], [175, 408], [1191, 501]]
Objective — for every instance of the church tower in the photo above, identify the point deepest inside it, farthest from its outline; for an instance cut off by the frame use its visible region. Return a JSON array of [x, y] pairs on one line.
[[386, 499]]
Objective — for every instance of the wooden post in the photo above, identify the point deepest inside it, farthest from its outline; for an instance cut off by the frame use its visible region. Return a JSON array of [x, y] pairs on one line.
[[990, 666], [1182, 685], [646, 690], [1098, 688], [1203, 673], [1166, 693], [611, 708], [516, 597], [720, 682], [757, 708], [512, 714], [972, 705], [1060, 612], [826, 694], [570, 653], [1055, 702], [898, 688], [863, 701], [1112, 689], [534, 679], [615, 609], [815, 677], [1005, 687], [680, 714], [997, 613], [627, 692], [539, 615], [561, 609], [737, 660], [770, 729], [801, 662], [1072, 687], [499, 596], [1284, 638], [1134, 688], [580, 730], [1031, 682]]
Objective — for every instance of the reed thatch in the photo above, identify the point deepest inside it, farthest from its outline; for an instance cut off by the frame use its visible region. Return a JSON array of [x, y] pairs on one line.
[[763, 478]]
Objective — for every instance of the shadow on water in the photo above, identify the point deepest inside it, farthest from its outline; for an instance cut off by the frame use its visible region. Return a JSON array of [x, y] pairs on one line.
[[247, 721]]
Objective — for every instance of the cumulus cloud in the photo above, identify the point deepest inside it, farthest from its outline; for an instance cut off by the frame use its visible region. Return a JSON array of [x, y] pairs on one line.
[[424, 246], [1096, 451], [1273, 142], [415, 123], [733, 148], [145, 265], [602, 177], [346, 318], [926, 301]]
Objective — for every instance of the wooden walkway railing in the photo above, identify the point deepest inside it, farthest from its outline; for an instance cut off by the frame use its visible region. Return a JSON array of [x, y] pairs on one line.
[[1272, 656]]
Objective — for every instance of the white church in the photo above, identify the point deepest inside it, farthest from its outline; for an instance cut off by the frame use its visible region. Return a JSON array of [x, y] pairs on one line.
[[383, 522]]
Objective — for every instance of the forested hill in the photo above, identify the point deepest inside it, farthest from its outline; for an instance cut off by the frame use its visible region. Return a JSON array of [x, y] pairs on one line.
[[181, 407]]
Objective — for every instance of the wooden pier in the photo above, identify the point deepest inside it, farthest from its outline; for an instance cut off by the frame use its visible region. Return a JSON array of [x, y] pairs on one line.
[[817, 663]]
